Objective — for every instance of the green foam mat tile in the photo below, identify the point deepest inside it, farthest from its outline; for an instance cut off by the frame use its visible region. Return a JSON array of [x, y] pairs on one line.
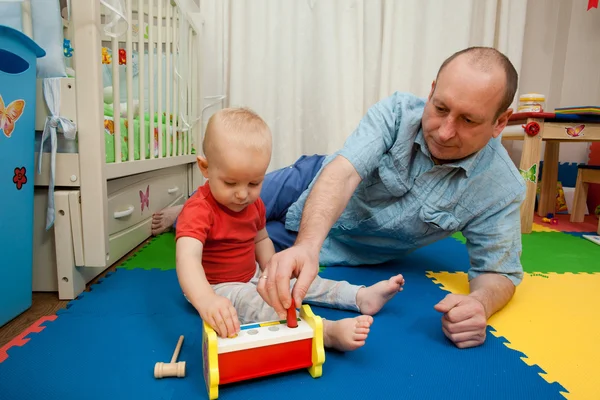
[[158, 253], [459, 236], [559, 252]]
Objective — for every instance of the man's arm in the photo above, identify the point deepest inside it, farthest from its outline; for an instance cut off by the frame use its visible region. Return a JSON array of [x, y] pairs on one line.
[[326, 201], [493, 291], [494, 246], [361, 155], [375, 135]]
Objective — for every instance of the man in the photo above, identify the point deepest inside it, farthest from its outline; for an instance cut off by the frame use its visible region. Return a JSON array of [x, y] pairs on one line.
[[413, 172]]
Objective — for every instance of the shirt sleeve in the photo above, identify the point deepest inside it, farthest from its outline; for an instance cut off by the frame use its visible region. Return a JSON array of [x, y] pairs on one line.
[[494, 241], [378, 131], [262, 214], [195, 220]]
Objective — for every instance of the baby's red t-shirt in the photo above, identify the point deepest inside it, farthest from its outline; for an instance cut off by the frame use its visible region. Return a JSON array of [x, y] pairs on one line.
[[227, 236]]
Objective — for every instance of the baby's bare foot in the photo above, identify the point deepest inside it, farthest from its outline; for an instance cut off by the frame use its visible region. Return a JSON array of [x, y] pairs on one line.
[[346, 334], [371, 299], [163, 220]]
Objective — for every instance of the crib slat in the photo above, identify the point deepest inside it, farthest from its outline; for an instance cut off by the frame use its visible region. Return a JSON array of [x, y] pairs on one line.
[[151, 61], [116, 99], [129, 69], [159, 46], [168, 79], [27, 19], [175, 82], [195, 75], [190, 113], [141, 81]]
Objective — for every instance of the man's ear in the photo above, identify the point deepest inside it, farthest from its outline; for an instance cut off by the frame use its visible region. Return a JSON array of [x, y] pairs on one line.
[[203, 165], [501, 122], [432, 90]]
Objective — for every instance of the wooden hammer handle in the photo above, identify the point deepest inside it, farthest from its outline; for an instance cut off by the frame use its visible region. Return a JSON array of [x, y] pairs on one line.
[[177, 349]]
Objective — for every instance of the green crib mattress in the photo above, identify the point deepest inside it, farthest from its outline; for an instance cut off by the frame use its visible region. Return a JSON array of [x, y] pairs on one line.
[[109, 136]]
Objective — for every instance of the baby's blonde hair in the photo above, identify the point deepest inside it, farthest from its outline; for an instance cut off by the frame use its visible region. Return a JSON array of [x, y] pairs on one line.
[[237, 126]]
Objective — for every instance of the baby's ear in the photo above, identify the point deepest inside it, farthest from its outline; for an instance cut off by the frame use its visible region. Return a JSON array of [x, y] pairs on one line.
[[203, 165]]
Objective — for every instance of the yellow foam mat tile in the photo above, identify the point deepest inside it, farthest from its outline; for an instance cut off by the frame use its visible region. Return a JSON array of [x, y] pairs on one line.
[[553, 319], [542, 228]]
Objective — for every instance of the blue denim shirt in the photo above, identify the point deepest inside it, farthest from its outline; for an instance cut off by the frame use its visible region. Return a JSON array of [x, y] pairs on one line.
[[405, 201]]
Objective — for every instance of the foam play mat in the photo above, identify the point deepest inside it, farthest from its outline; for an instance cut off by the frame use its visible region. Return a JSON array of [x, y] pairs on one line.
[[543, 345], [553, 321]]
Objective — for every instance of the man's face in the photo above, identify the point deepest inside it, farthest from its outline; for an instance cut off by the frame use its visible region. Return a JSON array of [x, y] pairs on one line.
[[459, 117]]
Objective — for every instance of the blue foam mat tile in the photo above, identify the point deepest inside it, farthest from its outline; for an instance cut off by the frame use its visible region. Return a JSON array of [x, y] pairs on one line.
[[105, 347], [106, 344], [580, 234], [131, 299]]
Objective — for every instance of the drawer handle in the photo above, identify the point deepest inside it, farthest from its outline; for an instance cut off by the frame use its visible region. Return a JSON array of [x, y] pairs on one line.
[[121, 214], [172, 190]]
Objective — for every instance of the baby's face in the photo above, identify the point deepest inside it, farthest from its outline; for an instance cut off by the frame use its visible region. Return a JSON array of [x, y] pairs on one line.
[[236, 177]]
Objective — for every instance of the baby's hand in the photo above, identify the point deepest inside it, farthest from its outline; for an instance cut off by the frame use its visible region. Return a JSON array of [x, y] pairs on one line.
[[219, 313]]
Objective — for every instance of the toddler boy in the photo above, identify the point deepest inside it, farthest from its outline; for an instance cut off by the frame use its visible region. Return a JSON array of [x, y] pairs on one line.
[[223, 245]]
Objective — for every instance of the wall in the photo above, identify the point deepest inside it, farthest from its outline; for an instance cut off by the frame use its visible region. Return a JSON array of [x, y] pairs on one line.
[[561, 55]]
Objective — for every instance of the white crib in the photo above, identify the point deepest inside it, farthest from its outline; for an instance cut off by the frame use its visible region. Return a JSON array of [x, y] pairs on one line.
[[112, 178]]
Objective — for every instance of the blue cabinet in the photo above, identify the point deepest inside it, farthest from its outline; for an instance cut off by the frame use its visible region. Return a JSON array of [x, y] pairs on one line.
[[18, 56]]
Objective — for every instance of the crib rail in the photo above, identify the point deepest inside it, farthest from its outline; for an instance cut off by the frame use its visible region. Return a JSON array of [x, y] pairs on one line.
[[160, 49], [166, 95]]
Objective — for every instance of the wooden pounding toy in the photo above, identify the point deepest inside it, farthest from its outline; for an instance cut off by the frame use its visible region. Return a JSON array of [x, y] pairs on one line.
[[262, 349], [163, 370]]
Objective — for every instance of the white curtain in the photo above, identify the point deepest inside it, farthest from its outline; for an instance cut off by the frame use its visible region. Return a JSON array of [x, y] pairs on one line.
[[312, 68]]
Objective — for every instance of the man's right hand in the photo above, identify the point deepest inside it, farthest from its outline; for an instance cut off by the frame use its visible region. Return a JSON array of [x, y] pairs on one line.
[[219, 313], [300, 262]]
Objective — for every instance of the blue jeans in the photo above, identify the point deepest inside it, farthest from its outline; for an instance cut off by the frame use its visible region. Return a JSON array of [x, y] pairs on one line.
[[281, 188]]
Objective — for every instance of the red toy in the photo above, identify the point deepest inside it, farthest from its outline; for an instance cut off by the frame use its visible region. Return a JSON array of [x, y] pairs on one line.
[[262, 349], [122, 57], [532, 128]]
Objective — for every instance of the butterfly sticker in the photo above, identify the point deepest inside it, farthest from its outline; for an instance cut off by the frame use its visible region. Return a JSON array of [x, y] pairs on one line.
[[145, 198], [530, 174], [576, 131], [9, 115]]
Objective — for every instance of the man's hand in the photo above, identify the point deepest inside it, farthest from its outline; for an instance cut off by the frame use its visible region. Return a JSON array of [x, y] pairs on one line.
[[300, 262], [219, 313], [464, 321]]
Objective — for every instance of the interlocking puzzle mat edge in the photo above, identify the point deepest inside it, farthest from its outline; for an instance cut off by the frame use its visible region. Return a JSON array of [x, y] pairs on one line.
[[542, 325], [88, 323], [131, 262], [543, 252], [157, 253], [22, 338]]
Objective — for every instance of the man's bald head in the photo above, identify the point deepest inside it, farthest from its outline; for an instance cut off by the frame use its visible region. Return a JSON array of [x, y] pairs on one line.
[[487, 59]]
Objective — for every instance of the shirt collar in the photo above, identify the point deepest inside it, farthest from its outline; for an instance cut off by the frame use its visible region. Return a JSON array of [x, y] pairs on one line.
[[467, 164]]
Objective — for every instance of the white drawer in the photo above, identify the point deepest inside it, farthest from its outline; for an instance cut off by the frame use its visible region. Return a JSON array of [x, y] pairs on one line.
[[135, 198], [124, 241]]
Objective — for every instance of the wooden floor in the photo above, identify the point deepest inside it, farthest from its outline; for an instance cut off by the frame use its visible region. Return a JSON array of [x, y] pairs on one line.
[[46, 303]]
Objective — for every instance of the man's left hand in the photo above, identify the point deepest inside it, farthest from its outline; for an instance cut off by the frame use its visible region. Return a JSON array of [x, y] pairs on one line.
[[464, 321]]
